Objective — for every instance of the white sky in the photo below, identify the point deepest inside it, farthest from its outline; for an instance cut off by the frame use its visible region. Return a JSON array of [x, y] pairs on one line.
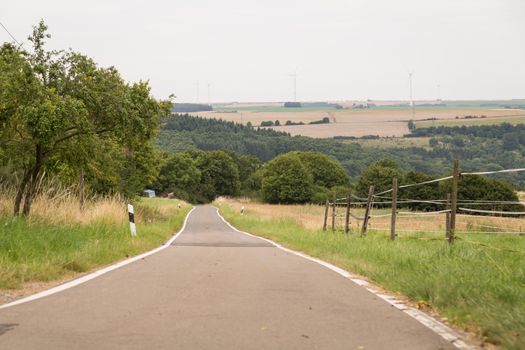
[[246, 49]]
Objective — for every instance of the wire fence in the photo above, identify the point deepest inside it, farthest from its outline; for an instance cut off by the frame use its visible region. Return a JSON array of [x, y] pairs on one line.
[[449, 208]]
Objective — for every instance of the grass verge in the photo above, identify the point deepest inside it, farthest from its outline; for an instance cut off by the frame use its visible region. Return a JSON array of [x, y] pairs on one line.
[[40, 249], [479, 288]]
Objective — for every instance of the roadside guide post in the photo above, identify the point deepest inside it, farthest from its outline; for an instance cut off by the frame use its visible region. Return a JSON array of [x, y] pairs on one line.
[[132, 226]]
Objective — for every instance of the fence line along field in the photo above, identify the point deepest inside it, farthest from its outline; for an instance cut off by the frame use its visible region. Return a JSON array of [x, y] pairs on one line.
[[392, 121], [310, 216]]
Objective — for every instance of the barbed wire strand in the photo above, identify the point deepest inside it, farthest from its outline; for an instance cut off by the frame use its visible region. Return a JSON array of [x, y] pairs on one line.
[[493, 211], [495, 171]]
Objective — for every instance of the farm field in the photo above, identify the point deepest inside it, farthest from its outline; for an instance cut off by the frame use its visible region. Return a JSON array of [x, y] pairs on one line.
[[381, 121], [517, 119], [392, 142], [476, 284]]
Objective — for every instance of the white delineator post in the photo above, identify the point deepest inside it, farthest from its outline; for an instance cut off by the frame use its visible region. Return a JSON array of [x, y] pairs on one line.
[[132, 226]]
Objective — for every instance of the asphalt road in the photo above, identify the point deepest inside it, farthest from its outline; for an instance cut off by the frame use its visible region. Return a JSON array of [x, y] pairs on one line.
[[215, 288]]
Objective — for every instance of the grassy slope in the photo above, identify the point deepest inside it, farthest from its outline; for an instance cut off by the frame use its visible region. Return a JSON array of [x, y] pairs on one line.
[[393, 142], [479, 288], [34, 249]]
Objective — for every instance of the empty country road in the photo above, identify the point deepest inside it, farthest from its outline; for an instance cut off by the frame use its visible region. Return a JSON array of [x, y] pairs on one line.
[[215, 288]]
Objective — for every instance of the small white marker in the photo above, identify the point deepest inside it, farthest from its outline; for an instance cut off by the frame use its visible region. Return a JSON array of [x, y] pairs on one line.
[[242, 210], [132, 226]]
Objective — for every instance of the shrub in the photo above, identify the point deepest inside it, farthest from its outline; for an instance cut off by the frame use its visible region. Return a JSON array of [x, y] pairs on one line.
[[287, 180]]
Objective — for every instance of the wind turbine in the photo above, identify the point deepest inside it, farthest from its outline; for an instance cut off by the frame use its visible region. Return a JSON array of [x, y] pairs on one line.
[[209, 103]]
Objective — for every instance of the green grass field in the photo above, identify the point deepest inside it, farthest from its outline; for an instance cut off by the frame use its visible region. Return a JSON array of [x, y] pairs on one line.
[[393, 142], [481, 289], [37, 250], [273, 109], [469, 122]]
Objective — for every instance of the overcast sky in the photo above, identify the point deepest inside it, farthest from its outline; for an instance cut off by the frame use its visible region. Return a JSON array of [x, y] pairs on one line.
[[340, 49]]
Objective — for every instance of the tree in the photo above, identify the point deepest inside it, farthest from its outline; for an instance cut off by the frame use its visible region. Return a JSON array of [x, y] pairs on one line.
[[379, 174], [292, 105], [287, 180], [179, 175], [220, 175], [326, 171], [511, 142], [476, 187], [427, 192], [61, 108]]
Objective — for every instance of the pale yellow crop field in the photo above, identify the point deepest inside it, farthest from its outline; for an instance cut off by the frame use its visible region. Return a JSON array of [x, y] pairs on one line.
[[384, 122], [511, 119]]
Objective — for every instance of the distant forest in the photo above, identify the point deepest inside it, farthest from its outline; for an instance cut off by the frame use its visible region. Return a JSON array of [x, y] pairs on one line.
[[478, 148], [191, 107]]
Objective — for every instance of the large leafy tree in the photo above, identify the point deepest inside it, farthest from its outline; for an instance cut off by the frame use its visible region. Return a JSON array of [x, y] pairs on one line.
[[427, 192], [379, 174], [480, 188], [287, 180], [59, 110], [180, 175], [326, 171], [219, 175]]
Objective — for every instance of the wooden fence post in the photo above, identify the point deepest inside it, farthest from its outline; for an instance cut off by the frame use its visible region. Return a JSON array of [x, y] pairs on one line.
[[454, 202], [347, 216], [394, 209], [367, 210], [333, 211], [326, 215]]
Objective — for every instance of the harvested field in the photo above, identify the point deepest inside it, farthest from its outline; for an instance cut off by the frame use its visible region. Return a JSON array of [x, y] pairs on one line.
[[518, 119], [384, 122]]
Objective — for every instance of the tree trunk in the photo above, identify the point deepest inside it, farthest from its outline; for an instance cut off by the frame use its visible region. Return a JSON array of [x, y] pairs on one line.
[[20, 192], [31, 190]]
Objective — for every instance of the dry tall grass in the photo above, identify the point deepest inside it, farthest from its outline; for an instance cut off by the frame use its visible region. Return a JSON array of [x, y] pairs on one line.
[[60, 240], [311, 217], [61, 205]]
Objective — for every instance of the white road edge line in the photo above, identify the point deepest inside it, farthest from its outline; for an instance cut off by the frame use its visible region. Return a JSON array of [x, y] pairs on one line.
[[438, 327], [98, 273]]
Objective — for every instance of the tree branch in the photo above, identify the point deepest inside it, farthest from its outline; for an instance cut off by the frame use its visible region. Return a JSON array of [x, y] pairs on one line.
[[79, 132]]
